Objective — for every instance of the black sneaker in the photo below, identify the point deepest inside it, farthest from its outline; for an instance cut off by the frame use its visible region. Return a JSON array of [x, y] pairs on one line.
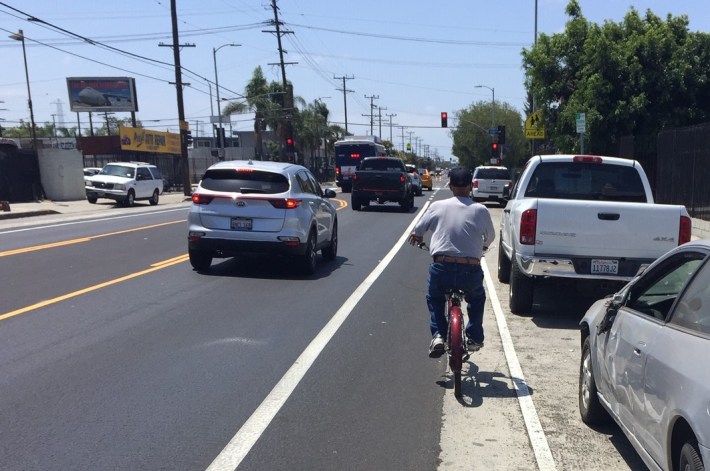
[[437, 347]]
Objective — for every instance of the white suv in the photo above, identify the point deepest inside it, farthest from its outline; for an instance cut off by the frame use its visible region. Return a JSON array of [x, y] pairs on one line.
[[125, 182], [491, 184], [259, 207]]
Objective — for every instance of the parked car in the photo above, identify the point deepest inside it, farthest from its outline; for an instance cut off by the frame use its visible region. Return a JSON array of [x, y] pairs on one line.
[[643, 360], [416, 179], [426, 178], [89, 172], [125, 182], [261, 207], [490, 184]]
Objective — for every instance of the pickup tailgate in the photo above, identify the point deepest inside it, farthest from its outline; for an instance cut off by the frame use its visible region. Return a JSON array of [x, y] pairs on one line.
[[606, 229], [376, 181]]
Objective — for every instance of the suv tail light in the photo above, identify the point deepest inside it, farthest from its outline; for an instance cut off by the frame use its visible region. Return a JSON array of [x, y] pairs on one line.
[[475, 183], [686, 227], [285, 203], [198, 198], [528, 226]]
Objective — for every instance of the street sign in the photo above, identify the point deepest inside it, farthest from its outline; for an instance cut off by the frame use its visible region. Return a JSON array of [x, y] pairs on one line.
[[534, 128], [492, 132], [581, 122]]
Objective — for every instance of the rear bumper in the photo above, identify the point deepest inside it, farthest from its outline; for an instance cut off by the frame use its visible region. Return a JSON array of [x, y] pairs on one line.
[[232, 248], [577, 267]]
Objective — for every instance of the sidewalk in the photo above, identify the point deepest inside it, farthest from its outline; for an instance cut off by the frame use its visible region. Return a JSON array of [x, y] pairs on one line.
[[79, 207]]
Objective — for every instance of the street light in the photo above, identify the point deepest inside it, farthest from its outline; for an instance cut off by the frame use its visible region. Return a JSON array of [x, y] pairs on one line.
[[216, 83], [493, 106], [19, 36]]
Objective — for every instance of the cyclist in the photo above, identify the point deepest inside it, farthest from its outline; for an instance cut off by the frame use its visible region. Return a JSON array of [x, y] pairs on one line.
[[461, 230]]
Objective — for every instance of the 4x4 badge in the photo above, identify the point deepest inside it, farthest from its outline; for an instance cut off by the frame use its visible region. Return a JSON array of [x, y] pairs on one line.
[[241, 204]]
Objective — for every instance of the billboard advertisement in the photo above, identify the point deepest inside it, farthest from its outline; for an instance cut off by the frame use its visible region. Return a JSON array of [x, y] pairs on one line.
[[102, 94], [146, 140]]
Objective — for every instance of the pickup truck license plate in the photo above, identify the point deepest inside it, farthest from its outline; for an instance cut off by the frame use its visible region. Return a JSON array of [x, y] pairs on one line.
[[608, 267], [493, 188], [241, 224]]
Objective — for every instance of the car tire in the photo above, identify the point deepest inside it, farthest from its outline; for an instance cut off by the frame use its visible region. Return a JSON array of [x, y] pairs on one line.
[[310, 256], [130, 198], [329, 253], [92, 199], [200, 259], [690, 457], [503, 263], [520, 289], [154, 199], [590, 408], [355, 203]]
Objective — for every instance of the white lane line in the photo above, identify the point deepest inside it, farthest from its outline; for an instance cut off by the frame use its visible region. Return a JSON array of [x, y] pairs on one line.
[[240, 445], [543, 455]]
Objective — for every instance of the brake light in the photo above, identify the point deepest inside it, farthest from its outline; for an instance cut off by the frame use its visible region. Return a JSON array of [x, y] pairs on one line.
[[528, 226], [244, 170], [475, 183], [198, 198], [354, 176], [355, 155], [285, 203], [686, 227], [337, 170], [402, 179], [587, 159]]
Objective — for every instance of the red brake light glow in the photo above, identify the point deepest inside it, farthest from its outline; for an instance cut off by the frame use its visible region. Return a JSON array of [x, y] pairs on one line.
[[402, 179], [285, 203], [587, 159], [528, 226], [354, 155], [198, 198], [686, 228], [244, 170], [475, 183]]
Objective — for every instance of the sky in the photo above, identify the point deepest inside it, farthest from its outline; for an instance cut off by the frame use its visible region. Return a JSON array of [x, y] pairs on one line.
[[407, 61]]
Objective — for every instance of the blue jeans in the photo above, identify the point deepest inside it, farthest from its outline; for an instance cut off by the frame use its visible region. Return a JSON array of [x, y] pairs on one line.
[[469, 278]]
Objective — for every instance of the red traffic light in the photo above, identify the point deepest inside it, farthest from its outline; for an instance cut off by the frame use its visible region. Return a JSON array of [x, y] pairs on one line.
[[494, 146], [444, 119], [289, 141]]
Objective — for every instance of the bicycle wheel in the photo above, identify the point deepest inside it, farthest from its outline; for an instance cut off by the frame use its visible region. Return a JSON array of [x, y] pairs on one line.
[[456, 346]]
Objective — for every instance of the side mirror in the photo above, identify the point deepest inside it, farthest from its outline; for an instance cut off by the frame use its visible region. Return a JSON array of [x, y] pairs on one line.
[[329, 193]]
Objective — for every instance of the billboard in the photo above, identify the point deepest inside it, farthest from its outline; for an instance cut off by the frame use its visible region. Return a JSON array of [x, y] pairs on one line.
[[102, 94], [146, 140]]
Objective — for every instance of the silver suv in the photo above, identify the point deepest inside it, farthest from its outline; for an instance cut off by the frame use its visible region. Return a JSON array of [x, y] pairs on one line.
[[125, 182], [259, 207], [491, 184]]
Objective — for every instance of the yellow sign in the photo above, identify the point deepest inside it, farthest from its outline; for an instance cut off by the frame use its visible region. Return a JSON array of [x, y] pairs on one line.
[[534, 128], [146, 140]]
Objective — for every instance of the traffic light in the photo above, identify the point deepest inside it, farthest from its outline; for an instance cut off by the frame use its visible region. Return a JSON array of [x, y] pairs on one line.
[[501, 134], [494, 149], [289, 144], [444, 119], [188, 138]]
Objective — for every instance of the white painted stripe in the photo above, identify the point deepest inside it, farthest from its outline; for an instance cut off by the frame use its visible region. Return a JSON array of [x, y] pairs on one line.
[[543, 455], [240, 445]]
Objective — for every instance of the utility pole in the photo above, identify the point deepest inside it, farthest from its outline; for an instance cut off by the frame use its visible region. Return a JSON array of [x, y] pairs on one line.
[[411, 150], [372, 106], [184, 125], [379, 117], [286, 124], [403, 149], [390, 116], [345, 101]]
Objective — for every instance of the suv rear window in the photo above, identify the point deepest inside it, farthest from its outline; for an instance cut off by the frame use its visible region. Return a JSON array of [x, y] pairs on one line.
[[492, 174], [235, 181]]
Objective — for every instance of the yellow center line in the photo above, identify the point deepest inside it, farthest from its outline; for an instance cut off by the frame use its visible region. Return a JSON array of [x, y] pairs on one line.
[[83, 239], [154, 267]]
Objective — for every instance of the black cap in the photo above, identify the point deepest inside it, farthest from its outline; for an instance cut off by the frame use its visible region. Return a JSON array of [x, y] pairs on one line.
[[460, 176]]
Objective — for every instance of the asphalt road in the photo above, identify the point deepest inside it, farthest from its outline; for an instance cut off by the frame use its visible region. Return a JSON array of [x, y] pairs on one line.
[[114, 354]]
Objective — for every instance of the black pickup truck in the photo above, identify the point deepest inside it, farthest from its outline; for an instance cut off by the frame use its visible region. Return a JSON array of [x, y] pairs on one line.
[[382, 179]]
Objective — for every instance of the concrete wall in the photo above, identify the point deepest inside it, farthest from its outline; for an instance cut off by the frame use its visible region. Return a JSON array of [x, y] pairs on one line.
[[62, 174]]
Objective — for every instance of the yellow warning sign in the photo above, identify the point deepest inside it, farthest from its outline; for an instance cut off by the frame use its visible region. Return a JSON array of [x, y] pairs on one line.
[[534, 128]]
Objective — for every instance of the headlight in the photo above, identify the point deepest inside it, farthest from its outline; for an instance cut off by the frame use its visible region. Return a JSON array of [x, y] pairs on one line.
[[119, 186]]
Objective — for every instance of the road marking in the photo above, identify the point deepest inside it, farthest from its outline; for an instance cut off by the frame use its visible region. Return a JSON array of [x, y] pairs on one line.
[[241, 443], [543, 455], [83, 239], [154, 267]]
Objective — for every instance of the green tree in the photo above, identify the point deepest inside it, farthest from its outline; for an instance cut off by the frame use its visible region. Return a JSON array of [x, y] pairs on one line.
[[472, 143], [633, 77]]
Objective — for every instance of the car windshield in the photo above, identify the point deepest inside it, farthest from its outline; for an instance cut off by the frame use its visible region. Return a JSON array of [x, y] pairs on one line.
[[492, 174], [118, 171], [244, 181]]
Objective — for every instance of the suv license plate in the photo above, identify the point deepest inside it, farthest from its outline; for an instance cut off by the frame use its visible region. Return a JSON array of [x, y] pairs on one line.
[[605, 267], [241, 224]]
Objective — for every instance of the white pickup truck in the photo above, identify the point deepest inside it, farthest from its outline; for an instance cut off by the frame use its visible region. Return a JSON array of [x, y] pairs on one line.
[[582, 217]]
